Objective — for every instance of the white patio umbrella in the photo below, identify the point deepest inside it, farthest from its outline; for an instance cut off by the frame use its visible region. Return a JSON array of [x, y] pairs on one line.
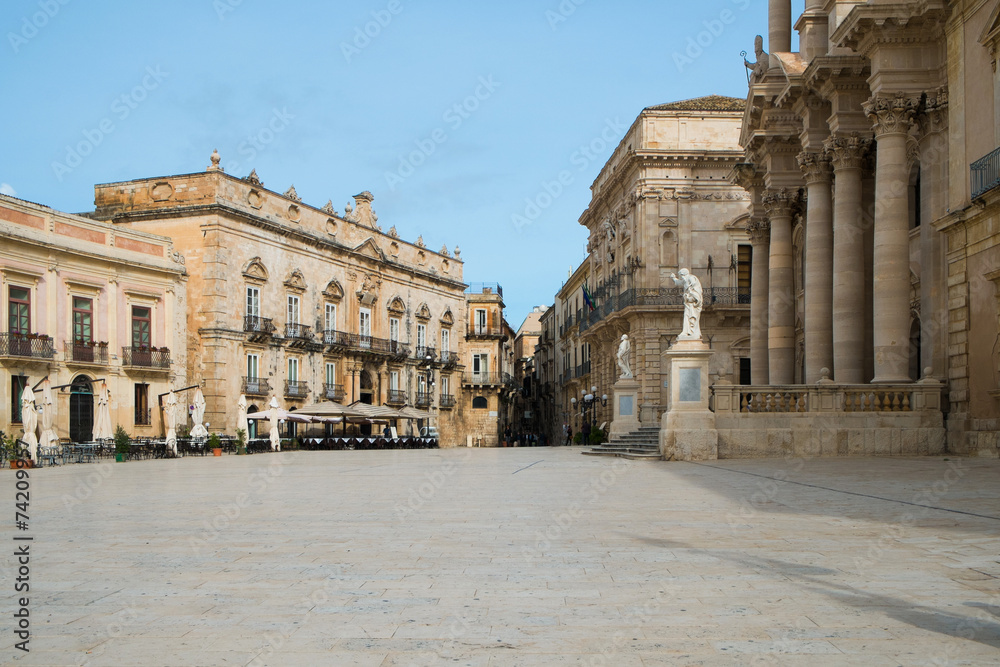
[[29, 422], [50, 436], [273, 418], [102, 422], [170, 420], [241, 414], [199, 430]]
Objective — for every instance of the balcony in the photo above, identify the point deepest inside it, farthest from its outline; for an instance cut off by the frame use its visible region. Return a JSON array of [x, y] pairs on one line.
[[256, 386], [26, 346], [610, 301], [86, 352], [424, 399], [425, 355], [334, 392], [258, 327], [485, 331], [449, 359], [985, 173], [481, 379], [298, 332], [396, 397], [447, 401], [147, 358], [366, 345], [484, 288], [295, 389], [583, 369]]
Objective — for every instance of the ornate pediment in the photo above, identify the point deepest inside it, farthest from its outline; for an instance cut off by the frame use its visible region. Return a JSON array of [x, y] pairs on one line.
[[295, 281], [255, 271], [334, 290], [448, 319], [396, 306], [423, 313], [370, 249]]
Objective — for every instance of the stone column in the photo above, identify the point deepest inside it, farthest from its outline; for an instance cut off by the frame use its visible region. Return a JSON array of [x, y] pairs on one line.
[[933, 122], [814, 32], [779, 28], [891, 118], [819, 266], [759, 231], [780, 299], [847, 155]]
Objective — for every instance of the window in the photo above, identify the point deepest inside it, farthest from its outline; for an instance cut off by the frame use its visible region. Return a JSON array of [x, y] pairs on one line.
[[480, 364], [17, 385], [421, 335], [365, 326], [445, 385], [253, 302], [19, 311], [141, 317], [331, 373], [745, 370], [422, 384], [330, 319], [393, 329], [293, 370], [293, 309], [83, 331], [744, 259], [479, 403], [480, 320], [253, 366], [394, 380], [445, 340], [142, 413]]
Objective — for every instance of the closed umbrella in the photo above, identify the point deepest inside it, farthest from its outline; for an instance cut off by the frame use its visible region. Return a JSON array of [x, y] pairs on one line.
[[275, 438], [49, 437], [199, 430], [241, 414], [170, 420], [29, 422], [102, 423]]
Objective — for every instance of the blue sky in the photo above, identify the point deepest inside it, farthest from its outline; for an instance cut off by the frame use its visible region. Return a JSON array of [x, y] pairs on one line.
[[340, 97]]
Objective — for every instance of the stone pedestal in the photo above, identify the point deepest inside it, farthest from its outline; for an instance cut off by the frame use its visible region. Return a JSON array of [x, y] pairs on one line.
[[626, 400], [687, 429]]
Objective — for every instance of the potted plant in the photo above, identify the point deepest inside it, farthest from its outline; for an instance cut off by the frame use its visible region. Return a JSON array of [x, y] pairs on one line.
[[241, 441], [121, 440], [215, 444], [15, 453]]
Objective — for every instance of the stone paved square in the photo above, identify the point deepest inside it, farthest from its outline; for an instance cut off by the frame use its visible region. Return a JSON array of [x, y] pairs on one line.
[[507, 557]]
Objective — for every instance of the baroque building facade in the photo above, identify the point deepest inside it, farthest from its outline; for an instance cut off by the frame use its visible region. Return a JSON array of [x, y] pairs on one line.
[[300, 302], [870, 158], [86, 302], [488, 382], [661, 203]]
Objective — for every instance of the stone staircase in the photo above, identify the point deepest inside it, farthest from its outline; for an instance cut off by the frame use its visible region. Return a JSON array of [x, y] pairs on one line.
[[643, 444]]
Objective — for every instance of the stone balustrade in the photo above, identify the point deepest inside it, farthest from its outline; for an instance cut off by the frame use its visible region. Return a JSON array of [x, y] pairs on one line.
[[827, 397]]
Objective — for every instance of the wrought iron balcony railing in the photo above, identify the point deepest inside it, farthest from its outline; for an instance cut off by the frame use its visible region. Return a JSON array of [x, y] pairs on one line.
[[87, 352], [143, 417], [298, 331], [985, 173], [34, 346], [610, 301], [146, 357], [396, 397], [425, 354], [447, 401], [256, 386], [485, 331], [333, 392], [365, 344], [296, 389], [258, 325], [449, 358], [485, 378], [424, 399]]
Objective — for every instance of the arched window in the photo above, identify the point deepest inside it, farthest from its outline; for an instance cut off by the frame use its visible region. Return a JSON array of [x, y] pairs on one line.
[[479, 403]]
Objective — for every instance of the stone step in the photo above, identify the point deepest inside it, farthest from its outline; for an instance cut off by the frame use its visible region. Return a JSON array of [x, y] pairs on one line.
[[634, 456]]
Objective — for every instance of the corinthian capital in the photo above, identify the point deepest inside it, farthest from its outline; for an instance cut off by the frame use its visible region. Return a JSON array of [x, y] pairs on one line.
[[779, 203], [891, 115], [847, 152], [933, 114], [759, 230], [815, 166]]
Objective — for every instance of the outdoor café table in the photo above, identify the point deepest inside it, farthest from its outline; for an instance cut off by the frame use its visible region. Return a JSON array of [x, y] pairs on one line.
[[83, 452]]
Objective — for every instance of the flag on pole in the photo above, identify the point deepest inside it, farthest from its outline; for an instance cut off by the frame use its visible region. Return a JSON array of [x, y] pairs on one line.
[[588, 298]]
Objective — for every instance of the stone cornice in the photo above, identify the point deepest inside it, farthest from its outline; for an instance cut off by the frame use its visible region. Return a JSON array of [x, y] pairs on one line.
[[302, 236], [869, 25]]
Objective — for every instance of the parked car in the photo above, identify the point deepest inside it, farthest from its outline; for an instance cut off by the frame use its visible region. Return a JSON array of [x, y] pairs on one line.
[[429, 432]]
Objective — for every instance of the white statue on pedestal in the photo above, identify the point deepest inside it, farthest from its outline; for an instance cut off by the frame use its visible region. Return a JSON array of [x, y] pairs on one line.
[[623, 363], [692, 304]]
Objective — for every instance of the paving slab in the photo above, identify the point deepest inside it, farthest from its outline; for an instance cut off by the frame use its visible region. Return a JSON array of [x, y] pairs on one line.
[[510, 556]]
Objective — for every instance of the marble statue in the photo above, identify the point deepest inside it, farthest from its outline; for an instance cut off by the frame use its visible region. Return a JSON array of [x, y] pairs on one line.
[[624, 348], [763, 60], [692, 304]]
